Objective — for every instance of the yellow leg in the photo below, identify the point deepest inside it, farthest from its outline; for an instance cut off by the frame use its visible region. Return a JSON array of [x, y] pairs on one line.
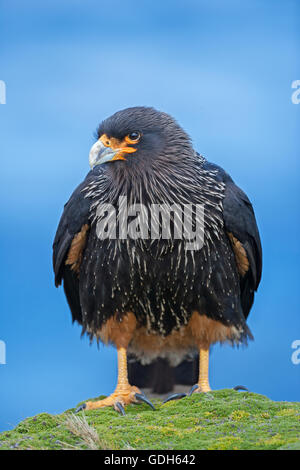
[[203, 382], [124, 392]]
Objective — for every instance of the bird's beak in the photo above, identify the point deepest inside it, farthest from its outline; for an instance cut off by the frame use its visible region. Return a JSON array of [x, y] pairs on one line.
[[99, 154], [108, 149]]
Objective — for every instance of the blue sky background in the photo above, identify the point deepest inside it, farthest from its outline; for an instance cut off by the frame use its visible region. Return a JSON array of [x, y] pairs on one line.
[[224, 70]]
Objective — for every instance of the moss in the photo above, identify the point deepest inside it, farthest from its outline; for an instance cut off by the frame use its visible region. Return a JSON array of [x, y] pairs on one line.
[[224, 419]]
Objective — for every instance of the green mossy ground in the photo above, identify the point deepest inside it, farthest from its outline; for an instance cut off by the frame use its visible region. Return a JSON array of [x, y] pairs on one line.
[[223, 419]]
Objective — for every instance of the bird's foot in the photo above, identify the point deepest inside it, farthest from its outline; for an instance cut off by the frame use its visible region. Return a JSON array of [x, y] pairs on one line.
[[197, 388], [200, 388], [241, 388], [122, 396]]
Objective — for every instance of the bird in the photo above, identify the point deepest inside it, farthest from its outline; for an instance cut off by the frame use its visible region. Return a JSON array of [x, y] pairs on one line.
[[158, 250]]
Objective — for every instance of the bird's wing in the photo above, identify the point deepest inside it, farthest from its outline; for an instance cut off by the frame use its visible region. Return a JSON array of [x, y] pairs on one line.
[[69, 243], [241, 227], [240, 221]]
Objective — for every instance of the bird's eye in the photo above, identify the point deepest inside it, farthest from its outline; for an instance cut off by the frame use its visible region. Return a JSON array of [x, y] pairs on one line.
[[133, 137]]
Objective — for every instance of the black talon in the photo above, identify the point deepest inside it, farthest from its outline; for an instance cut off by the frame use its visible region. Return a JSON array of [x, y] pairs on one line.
[[194, 387], [175, 396], [80, 408], [120, 408], [241, 387], [142, 397]]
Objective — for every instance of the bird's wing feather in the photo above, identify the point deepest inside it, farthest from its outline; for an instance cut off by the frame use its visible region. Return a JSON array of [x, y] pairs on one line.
[[74, 220], [240, 225], [75, 215], [240, 220]]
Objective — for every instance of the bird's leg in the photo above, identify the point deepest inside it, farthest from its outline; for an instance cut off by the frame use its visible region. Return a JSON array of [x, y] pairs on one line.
[[203, 382], [124, 392]]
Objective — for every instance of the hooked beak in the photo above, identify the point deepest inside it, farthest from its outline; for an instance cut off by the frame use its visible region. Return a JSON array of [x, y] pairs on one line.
[[99, 154], [107, 150]]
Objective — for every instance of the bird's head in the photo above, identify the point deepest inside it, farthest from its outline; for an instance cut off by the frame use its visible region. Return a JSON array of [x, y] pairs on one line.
[[139, 134]]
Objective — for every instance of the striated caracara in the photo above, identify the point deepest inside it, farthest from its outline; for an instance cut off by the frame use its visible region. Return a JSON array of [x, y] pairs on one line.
[[158, 249]]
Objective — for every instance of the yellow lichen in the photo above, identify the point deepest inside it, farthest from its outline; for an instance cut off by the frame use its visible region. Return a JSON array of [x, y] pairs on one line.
[[287, 412], [226, 442], [265, 415], [277, 439], [237, 415]]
